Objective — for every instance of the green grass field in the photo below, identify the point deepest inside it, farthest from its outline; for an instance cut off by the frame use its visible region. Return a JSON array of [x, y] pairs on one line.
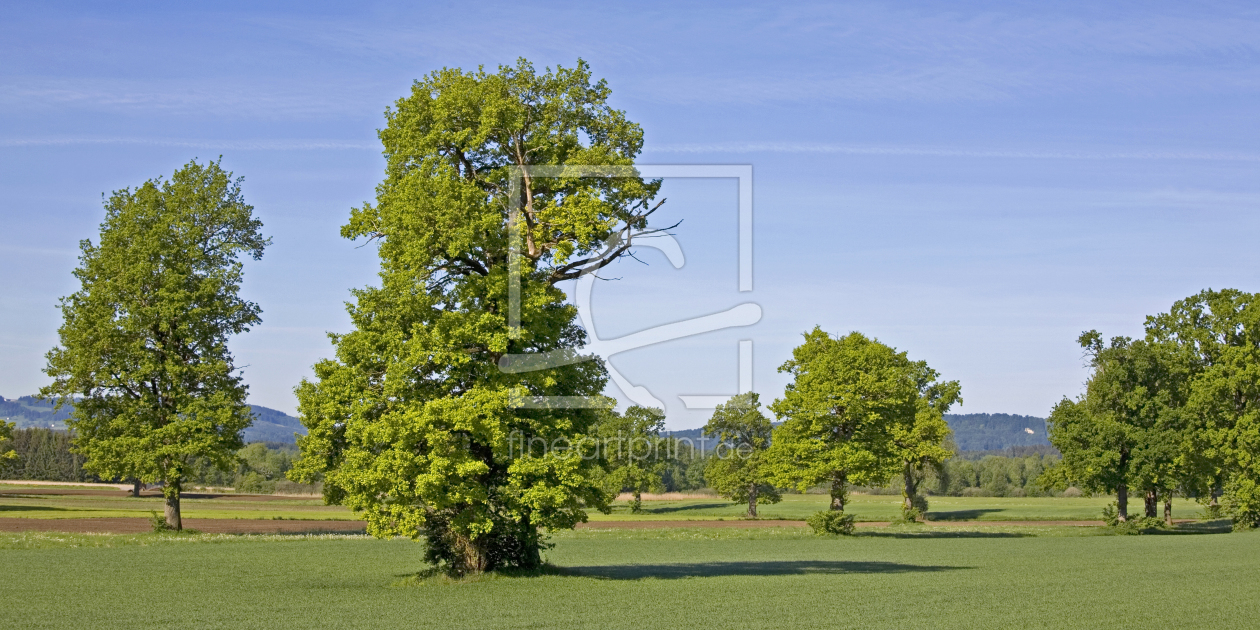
[[793, 507], [1031, 577]]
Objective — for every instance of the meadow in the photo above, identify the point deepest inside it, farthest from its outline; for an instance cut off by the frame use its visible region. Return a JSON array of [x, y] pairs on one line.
[[1032, 577]]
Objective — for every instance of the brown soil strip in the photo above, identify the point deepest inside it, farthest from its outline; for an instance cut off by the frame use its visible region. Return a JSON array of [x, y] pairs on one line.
[[94, 492], [693, 524], [769, 523], [207, 525], [28, 482]]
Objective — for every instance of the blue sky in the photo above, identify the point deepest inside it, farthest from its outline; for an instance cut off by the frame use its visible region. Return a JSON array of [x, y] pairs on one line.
[[974, 183]]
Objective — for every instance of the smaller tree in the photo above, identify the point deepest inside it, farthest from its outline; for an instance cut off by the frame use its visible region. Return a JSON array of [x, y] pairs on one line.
[[632, 443], [143, 354], [846, 395], [737, 470], [922, 440]]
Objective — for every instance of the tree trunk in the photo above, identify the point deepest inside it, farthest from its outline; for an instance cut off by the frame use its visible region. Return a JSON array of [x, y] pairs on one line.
[[472, 557], [1122, 503], [839, 490], [135, 488], [637, 504], [1151, 504], [752, 500], [1168, 510], [910, 490], [171, 491]]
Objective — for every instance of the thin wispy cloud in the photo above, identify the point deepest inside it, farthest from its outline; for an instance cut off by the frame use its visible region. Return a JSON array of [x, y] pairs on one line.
[[224, 98], [850, 149], [235, 145]]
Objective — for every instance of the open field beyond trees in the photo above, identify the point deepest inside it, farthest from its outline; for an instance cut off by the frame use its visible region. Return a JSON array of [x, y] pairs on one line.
[[983, 577], [67, 502]]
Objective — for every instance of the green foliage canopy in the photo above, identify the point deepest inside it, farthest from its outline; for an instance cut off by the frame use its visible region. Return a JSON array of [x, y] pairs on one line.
[[413, 424], [635, 452], [840, 411], [738, 470], [143, 350], [921, 440], [6, 441], [1219, 331], [1125, 431]]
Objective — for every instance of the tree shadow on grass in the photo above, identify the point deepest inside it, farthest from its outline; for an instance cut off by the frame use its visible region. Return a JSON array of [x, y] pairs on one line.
[[939, 533], [1218, 526], [716, 569], [961, 515], [35, 508], [684, 508]]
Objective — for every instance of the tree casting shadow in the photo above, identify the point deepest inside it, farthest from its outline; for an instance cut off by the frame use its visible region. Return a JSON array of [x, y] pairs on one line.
[[715, 569]]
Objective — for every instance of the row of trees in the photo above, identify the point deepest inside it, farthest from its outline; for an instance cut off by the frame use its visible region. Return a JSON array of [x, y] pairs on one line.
[[410, 424], [857, 413], [1177, 412], [40, 454]]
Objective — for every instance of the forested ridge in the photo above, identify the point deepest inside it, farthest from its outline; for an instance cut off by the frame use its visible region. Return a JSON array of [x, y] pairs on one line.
[[26, 412]]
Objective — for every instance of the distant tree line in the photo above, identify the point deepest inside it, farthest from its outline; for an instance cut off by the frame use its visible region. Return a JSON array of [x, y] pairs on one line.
[[984, 476], [39, 454], [42, 455]]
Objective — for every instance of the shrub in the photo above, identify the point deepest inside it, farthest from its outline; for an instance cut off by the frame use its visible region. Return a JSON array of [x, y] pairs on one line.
[[1242, 502], [158, 521], [1133, 526], [913, 515], [831, 522], [1111, 514], [1072, 493], [1017, 492], [1143, 525], [974, 492], [254, 483]]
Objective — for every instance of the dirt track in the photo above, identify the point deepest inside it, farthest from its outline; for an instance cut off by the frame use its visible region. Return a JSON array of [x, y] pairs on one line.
[[208, 525], [768, 523], [98, 492], [694, 524]]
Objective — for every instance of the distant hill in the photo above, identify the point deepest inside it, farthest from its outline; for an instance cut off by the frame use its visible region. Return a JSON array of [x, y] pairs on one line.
[[996, 431], [269, 425], [972, 432], [273, 426]]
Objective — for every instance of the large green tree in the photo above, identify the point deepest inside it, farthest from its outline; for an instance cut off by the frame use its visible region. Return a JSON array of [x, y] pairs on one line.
[[922, 440], [1125, 431], [1219, 332], [738, 469], [635, 452], [143, 353], [847, 396], [414, 425]]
